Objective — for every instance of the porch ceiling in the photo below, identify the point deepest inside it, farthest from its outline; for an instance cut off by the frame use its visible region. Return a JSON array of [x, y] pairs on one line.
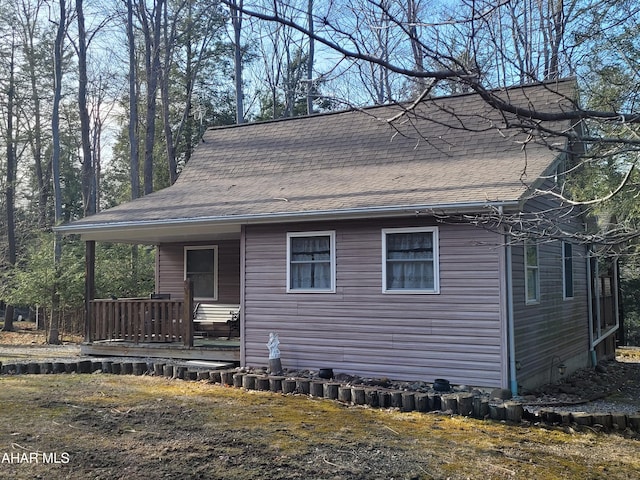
[[159, 233]]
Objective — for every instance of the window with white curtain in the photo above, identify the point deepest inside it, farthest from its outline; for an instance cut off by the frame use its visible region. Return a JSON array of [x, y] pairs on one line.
[[201, 267], [410, 260], [311, 262]]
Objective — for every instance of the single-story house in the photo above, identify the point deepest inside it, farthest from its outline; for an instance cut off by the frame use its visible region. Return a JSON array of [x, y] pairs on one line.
[[369, 240]]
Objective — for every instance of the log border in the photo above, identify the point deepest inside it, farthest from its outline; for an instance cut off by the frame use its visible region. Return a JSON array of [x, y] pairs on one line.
[[458, 403]]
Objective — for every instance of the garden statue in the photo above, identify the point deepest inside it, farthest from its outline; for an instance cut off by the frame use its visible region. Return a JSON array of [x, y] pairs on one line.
[[272, 345], [275, 365]]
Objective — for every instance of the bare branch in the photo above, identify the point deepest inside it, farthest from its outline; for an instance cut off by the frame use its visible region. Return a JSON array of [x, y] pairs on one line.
[[276, 17], [609, 196]]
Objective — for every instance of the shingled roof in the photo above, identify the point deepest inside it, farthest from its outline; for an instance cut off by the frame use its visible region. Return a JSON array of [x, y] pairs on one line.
[[448, 152]]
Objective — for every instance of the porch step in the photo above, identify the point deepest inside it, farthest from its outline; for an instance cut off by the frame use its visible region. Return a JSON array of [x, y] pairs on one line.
[[205, 364]]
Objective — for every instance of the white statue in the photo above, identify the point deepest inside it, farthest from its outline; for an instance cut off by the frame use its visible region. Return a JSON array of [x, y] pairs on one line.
[[272, 345]]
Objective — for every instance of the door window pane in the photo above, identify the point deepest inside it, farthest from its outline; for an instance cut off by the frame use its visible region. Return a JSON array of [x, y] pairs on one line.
[[200, 268]]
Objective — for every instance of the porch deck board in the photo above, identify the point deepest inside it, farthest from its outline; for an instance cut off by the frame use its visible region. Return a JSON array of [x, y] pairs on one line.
[[223, 350]]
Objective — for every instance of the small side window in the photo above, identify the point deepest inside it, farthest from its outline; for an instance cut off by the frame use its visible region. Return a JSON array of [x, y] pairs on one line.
[[532, 273], [567, 270]]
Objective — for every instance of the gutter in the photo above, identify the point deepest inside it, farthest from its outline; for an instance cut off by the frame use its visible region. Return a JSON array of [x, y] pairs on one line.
[[280, 217]]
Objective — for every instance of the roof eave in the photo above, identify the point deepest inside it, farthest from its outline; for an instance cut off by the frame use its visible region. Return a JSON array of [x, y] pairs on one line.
[[180, 229]]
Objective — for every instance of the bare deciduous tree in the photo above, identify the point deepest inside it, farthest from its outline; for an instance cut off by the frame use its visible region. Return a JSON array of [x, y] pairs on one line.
[[35, 66], [482, 46], [134, 172], [58, 57], [151, 24], [11, 167], [88, 162], [235, 9], [190, 34]]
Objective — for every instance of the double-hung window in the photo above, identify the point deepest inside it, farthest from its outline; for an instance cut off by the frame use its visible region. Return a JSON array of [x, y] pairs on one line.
[[410, 260], [201, 267], [567, 270], [311, 262], [532, 273]]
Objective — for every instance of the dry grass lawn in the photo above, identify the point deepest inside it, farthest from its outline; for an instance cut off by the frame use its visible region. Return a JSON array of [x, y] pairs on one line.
[[127, 427], [117, 427]]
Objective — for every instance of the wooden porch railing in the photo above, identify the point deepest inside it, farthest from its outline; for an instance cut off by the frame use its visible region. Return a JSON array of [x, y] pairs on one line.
[[140, 321]]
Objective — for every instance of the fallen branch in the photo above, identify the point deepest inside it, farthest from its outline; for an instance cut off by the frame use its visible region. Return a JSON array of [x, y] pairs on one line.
[[389, 428]]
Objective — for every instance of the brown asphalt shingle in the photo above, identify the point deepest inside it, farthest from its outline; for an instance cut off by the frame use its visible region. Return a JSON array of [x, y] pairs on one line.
[[450, 150]]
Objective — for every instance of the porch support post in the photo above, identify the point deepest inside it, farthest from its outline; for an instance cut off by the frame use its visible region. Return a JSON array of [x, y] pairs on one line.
[[89, 285], [187, 314]]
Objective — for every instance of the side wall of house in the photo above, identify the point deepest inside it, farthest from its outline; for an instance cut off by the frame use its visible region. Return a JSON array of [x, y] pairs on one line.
[[456, 334], [170, 265], [555, 330]]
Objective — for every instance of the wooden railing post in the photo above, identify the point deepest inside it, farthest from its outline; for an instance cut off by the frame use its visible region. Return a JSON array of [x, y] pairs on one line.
[[89, 287], [187, 314]]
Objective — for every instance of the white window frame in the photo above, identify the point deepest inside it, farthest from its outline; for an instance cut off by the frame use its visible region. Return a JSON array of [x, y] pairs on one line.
[[536, 268], [436, 261], [215, 268], [332, 258], [567, 259]]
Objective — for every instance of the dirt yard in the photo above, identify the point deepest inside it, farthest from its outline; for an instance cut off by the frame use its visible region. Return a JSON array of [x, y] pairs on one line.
[[126, 427]]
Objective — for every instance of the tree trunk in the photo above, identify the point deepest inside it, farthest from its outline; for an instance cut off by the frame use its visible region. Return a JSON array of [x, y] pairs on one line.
[[96, 148], [134, 173], [11, 179], [88, 177], [42, 166], [236, 21], [310, 58], [185, 129], [152, 32], [164, 95], [413, 18], [58, 52]]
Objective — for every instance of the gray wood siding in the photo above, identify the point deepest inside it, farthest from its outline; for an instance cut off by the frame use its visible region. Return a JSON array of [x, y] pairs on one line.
[[171, 269], [554, 330], [455, 334]]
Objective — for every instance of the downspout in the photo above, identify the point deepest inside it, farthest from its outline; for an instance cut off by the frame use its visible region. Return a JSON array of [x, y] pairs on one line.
[[598, 317], [513, 381], [511, 337], [592, 351], [597, 293], [616, 290], [243, 260]]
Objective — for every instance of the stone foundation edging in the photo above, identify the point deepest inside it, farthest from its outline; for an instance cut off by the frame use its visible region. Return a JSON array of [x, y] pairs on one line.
[[450, 403]]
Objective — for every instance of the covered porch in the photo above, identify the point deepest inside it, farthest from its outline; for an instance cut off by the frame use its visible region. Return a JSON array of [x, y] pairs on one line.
[[169, 323], [152, 327]]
